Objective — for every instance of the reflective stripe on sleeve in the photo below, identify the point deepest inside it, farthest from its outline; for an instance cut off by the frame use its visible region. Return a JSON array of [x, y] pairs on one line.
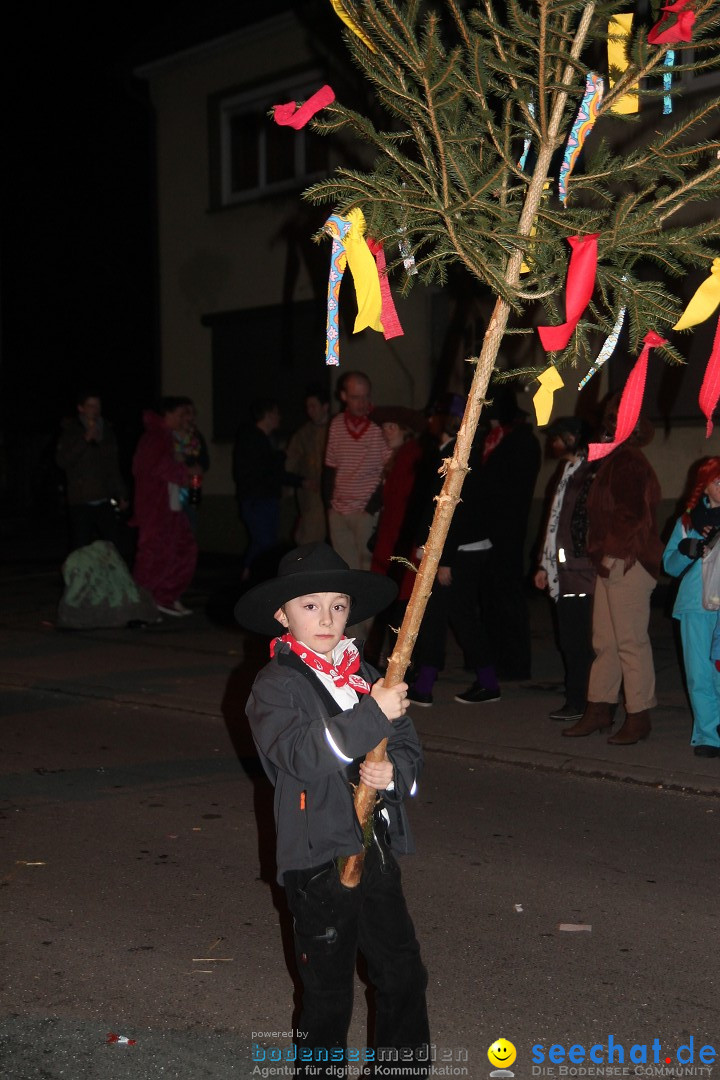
[[335, 748]]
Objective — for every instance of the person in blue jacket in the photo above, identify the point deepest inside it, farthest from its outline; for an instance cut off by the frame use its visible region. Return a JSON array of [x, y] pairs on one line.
[[683, 559]]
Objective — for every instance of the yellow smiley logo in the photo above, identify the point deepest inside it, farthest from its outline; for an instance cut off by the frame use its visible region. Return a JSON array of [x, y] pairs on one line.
[[502, 1053]]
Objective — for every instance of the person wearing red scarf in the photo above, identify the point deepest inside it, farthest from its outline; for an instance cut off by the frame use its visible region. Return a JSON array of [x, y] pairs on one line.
[[315, 710], [354, 460]]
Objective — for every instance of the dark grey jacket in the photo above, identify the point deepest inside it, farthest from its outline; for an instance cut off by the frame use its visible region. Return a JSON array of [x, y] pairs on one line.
[[306, 750], [92, 468]]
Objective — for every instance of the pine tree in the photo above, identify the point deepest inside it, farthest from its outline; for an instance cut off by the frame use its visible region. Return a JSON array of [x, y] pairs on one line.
[[466, 86]]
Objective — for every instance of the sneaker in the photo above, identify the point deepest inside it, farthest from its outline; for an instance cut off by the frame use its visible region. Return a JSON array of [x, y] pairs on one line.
[[567, 712], [415, 697], [703, 750], [477, 695], [177, 609]]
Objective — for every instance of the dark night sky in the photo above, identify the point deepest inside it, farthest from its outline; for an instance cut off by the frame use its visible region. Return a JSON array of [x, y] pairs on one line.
[[78, 252]]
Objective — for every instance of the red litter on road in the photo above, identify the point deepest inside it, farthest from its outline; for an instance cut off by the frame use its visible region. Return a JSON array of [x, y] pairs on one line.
[[121, 1040]]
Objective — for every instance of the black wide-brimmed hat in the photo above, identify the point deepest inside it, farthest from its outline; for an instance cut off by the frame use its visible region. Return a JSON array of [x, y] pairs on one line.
[[313, 568], [400, 415]]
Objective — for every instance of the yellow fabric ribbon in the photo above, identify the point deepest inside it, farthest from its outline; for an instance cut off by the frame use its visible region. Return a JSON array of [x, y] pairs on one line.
[[704, 302], [619, 28], [550, 381], [364, 272], [351, 24]]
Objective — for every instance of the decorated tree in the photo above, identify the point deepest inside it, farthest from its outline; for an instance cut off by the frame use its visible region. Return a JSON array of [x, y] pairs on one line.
[[547, 148]]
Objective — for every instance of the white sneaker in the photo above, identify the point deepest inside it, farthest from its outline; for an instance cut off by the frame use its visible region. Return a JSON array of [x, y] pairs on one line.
[[177, 609]]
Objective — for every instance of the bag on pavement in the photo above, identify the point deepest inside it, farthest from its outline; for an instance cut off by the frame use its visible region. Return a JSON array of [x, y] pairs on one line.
[[99, 591]]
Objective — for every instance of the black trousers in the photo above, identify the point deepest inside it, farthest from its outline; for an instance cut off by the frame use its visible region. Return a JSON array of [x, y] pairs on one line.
[[457, 606], [504, 587], [88, 523], [574, 617], [101, 522], [331, 924]]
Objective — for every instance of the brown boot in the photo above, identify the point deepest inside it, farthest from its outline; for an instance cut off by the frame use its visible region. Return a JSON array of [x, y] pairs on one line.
[[636, 727], [598, 716]]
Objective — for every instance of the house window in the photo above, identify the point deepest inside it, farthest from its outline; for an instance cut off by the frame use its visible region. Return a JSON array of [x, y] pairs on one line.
[[251, 155]]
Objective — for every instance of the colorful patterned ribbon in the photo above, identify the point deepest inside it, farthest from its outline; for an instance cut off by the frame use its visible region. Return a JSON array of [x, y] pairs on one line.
[[337, 227], [550, 380], [710, 389], [578, 290], [667, 82], [704, 302], [527, 142], [608, 348], [619, 29], [294, 116], [583, 125], [389, 316], [351, 24], [350, 248], [680, 30], [407, 256], [630, 402]]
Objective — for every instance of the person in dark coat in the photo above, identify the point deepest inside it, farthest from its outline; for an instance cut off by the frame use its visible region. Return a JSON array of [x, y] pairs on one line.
[[259, 474], [456, 595], [509, 468], [564, 567], [88, 453]]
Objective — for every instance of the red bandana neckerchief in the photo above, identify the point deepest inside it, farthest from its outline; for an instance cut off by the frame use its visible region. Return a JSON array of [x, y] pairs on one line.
[[493, 437], [356, 425], [342, 675]]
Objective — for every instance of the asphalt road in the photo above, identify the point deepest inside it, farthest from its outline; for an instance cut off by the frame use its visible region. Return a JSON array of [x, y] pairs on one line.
[[136, 898]]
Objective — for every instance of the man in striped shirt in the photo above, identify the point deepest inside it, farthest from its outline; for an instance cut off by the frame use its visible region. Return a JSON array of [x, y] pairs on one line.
[[354, 459]]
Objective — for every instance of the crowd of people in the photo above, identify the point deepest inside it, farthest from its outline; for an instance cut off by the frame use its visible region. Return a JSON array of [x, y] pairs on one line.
[[366, 480]]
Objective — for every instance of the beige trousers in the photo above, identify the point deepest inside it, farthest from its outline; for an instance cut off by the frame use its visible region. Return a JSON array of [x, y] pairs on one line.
[[623, 653], [349, 534]]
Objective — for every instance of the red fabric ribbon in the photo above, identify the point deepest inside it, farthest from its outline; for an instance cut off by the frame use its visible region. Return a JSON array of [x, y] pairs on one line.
[[710, 389], [289, 115], [342, 674], [578, 290], [389, 316], [630, 402], [681, 29]]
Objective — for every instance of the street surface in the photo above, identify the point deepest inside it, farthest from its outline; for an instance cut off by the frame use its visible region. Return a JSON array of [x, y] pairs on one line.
[[137, 899]]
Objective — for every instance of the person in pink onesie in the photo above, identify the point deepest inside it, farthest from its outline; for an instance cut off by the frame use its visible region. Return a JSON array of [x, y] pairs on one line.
[[167, 550]]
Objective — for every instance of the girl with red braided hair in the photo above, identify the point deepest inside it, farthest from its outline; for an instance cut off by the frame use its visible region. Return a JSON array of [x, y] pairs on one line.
[[683, 559]]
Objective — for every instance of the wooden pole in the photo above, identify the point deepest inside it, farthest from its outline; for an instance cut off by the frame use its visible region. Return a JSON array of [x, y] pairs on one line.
[[447, 500]]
